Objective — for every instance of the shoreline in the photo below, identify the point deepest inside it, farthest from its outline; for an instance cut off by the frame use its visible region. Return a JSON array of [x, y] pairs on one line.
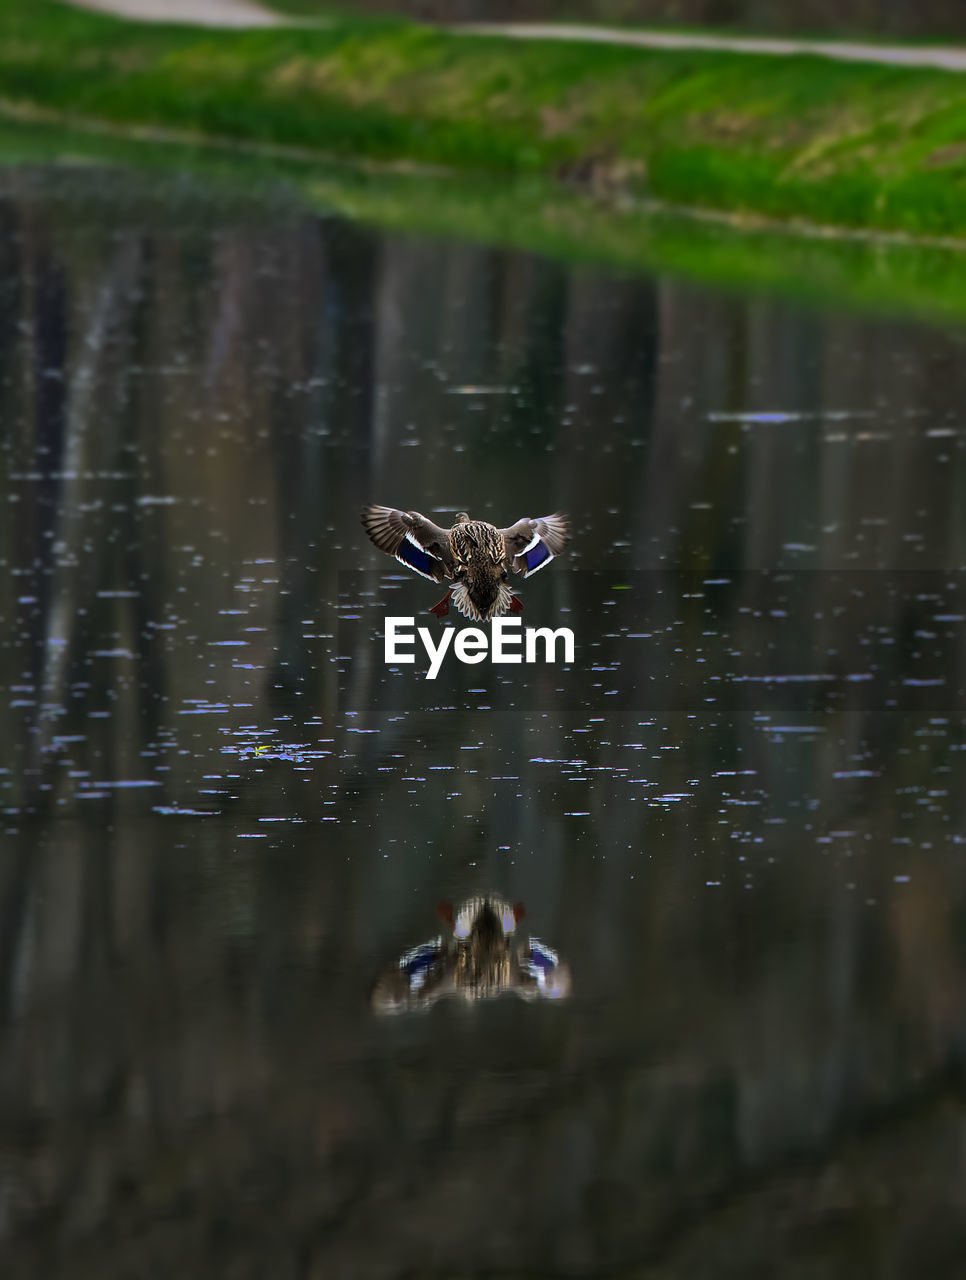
[[871, 273], [744, 222]]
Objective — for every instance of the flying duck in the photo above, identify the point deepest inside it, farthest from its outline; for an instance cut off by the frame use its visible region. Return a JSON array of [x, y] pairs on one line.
[[477, 555]]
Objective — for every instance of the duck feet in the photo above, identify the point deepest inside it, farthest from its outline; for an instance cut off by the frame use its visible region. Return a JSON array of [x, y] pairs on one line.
[[441, 607], [516, 606]]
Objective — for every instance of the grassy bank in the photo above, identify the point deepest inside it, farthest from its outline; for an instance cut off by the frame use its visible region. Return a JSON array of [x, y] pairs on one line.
[[852, 145]]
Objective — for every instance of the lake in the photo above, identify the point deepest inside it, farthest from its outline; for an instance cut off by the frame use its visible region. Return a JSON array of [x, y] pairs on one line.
[[734, 817]]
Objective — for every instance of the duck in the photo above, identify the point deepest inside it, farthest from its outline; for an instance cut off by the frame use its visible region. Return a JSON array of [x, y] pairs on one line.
[[475, 554], [478, 958]]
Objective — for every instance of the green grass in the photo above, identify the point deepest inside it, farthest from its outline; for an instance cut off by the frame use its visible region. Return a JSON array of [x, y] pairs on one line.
[[852, 145]]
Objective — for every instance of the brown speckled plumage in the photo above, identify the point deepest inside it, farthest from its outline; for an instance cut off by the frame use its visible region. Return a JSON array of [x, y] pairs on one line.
[[474, 554]]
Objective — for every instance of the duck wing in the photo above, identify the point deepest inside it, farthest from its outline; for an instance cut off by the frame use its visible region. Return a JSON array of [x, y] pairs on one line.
[[415, 541], [533, 542]]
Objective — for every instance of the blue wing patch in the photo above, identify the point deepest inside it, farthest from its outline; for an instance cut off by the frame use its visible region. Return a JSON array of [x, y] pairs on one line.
[[536, 555], [418, 963], [541, 957], [413, 556]]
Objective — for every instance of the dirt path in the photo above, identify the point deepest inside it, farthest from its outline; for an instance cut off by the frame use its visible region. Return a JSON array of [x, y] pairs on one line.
[[247, 13], [949, 59], [200, 13]]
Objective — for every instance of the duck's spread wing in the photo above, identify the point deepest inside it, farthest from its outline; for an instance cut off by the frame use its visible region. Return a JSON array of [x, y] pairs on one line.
[[417, 978], [415, 541], [532, 543]]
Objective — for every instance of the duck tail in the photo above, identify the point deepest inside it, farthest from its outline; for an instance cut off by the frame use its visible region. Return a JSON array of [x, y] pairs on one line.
[[503, 603]]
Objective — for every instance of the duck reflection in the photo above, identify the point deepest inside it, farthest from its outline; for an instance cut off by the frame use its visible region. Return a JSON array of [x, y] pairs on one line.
[[478, 957]]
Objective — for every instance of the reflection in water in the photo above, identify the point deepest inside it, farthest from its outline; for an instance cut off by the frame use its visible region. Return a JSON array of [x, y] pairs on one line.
[[738, 812], [481, 958]]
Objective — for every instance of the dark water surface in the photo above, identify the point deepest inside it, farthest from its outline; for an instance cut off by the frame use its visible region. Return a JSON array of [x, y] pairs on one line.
[[738, 816]]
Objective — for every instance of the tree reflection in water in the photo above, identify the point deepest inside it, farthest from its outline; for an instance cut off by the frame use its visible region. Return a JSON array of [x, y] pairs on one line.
[[737, 813]]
